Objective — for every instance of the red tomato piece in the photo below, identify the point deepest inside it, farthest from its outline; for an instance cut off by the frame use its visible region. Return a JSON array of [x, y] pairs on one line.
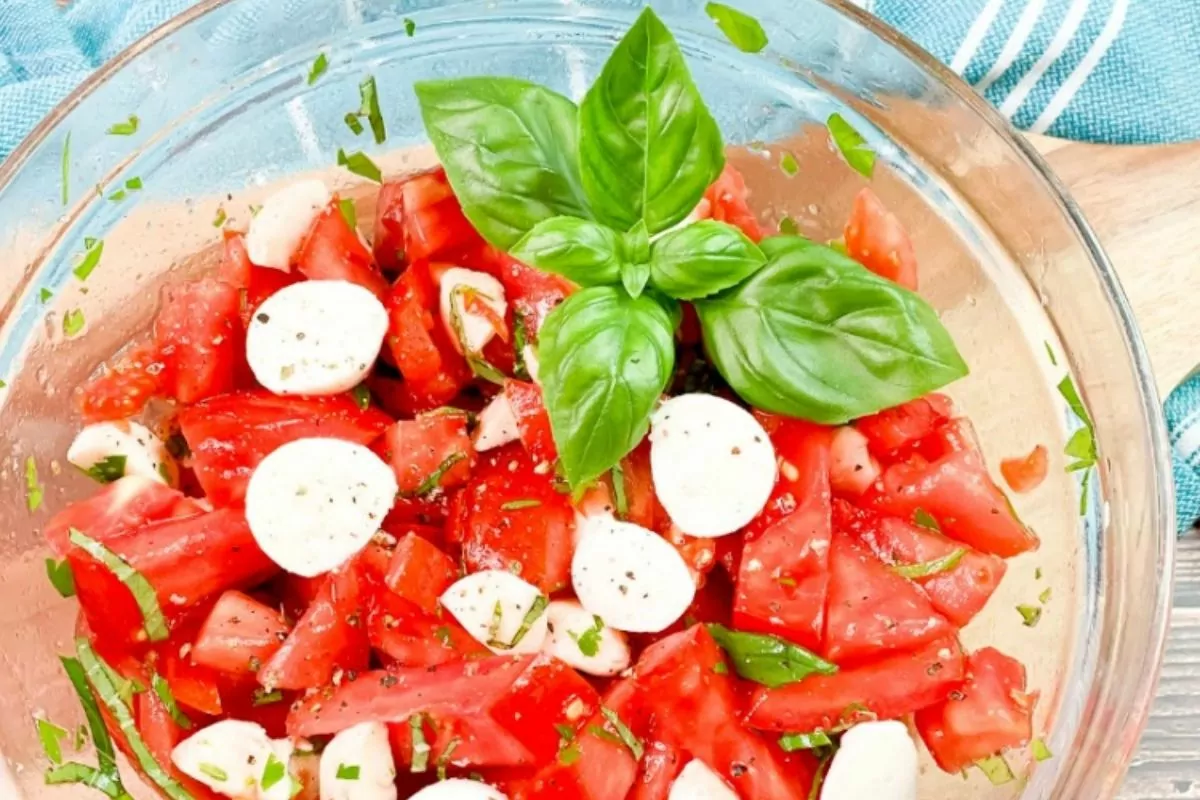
[[419, 572], [122, 389], [116, 509], [990, 713], [200, 339], [546, 695], [160, 733], [889, 688], [876, 238], [230, 434], [537, 539], [957, 491], [699, 552], [239, 633], [419, 448], [387, 243], [192, 685], [411, 638], [185, 559], [419, 217], [235, 267], [1026, 473], [871, 610], [331, 636], [533, 423], [727, 203], [895, 428], [334, 251], [696, 710], [784, 570], [600, 769], [958, 593], [642, 506]]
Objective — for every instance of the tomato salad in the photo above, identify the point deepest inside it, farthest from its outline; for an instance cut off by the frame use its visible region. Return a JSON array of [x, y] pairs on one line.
[[569, 482]]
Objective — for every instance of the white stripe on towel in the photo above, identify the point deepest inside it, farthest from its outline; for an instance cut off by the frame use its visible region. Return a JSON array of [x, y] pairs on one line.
[[1016, 41], [1066, 93], [1066, 33], [975, 36]]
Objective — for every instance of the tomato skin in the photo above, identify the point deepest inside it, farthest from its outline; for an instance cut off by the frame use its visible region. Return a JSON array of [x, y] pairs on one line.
[[958, 593], [727, 203], [418, 218], [894, 428], [417, 448], [533, 422], [231, 433], [330, 636], [790, 540], [419, 572], [122, 389], [235, 267], [537, 539], [990, 713], [161, 733], [333, 251], [642, 503], [239, 632], [1027, 473], [200, 338], [876, 239], [889, 688], [872, 610], [546, 694], [116, 509], [407, 637]]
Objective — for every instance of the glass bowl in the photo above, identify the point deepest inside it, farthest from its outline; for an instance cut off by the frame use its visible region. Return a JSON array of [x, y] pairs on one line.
[[225, 111]]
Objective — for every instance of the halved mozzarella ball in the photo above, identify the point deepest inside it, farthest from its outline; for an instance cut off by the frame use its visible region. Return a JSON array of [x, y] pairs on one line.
[[497, 424], [876, 760], [362, 756], [313, 503], [698, 781], [278, 229], [713, 464], [144, 453], [499, 609], [230, 757], [630, 577], [316, 337], [703, 210], [851, 468], [459, 789], [583, 641], [470, 329]]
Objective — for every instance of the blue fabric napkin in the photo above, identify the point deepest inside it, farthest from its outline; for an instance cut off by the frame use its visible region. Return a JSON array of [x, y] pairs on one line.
[[1114, 71]]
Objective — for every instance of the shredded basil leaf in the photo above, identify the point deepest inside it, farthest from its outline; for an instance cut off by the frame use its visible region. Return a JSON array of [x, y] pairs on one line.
[[435, 478], [105, 754], [273, 772], [350, 772], [360, 164], [51, 737], [589, 640], [791, 742], [531, 616], [349, 213], [1030, 615], [153, 620], [720, 668], [220, 218], [814, 791], [768, 660], [73, 322], [420, 746], [852, 145], [787, 163], [362, 396], [1044, 597], [517, 505], [108, 783], [45, 294], [997, 770], [444, 759], [1050, 354], [410, 27], [788, 227], [319, 65], [127, 128], [620, 498], [91, 259], [33, 489], [264, 698], [61, 577], [107, 470], [924, 519], [928, 568], [1040, 751], [163, 690], [213, 771], [370, 109], [623, 733], [479, 365], [569, 755]]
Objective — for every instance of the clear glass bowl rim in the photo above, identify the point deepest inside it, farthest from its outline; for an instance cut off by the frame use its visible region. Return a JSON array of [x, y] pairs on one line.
[[1143, 694]]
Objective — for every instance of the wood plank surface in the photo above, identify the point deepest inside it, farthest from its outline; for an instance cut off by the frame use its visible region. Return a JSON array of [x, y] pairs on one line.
[[1145, 204]]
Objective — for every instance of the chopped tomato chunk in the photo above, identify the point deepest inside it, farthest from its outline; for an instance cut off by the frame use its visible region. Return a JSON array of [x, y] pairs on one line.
[[239, 633], [122, 389], [411, 638], [727, 203], [119, 508], [876, 239], [533, 423], [990, 713], [418, 218], [200, 339], [894, 428], [1027, 473], [333, 251], [419, 572], [430, 451]]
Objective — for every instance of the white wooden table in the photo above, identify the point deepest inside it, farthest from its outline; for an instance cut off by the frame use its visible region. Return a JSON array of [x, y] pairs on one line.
[[1145, 204]]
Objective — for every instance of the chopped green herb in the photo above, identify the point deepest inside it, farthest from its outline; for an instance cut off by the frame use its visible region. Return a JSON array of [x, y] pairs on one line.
[[349, 213], [319, 65], [107, 783], [273, 772], [1037, 574], [791, 742], [66, 169], [852, 145], [566, 733], [220, 218], [1050, 353], [33, 489], [569, 755], [814, 791], [362, 396], [720, 668], [254, 209], [81, 736], [61, 577], [517, 505], [1084, 493], [444, 759], [627, 738], [1040, 751], [924, 519], [768, 660], [742, 30], [213, 771], [370, 109], [531, 616], [589, 640], [787, 163], [619, 495], [163, 690], [264, 698], [117, 196], [105, 754], [788, 227], [1030, 615], [127, 128], [143, 593], [927, 568], [360, 164], [420, 747], [45, 294], [350, 772], [410, 27], [459, 297], [134, 184], [107, 470], [435, 478], [352, 122], [1081, 447], [73, 322], [784, 580], [997, 770], [1044, 597], [494, 625], [443, 635], [520, 339], [51, 737]]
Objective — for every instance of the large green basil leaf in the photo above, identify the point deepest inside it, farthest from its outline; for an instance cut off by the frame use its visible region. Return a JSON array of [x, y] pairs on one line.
[[509, 150], [648, 148], [702, 259], [580, 250], [815, 335], [767, 659], [605, 358]]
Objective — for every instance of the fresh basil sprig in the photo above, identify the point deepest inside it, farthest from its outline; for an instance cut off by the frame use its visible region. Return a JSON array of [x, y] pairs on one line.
[[702, 259], [582, 251], [815, 335]]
